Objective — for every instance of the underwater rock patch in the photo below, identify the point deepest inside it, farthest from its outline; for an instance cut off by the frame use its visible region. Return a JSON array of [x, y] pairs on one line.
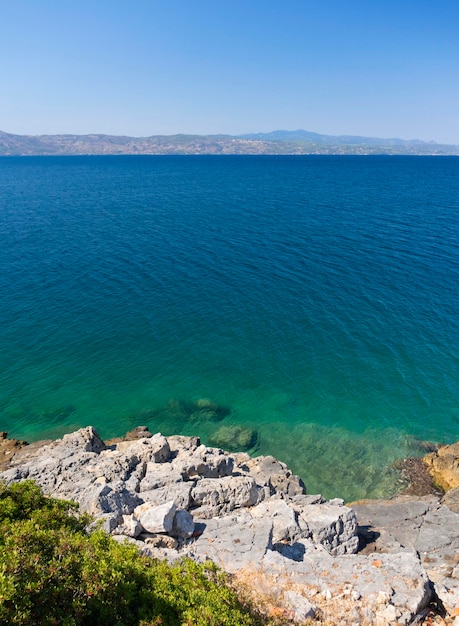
[[182, 411], [234, 438]]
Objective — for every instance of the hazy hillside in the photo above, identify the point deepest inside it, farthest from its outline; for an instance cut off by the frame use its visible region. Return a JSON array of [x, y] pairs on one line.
[[276, 142]]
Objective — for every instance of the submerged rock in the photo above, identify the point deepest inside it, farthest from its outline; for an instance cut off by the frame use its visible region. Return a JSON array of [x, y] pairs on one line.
[[180, 412], [234, 438], [205, 409]]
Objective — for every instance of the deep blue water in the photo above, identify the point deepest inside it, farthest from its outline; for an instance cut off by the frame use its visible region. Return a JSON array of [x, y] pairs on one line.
[[314, 299]]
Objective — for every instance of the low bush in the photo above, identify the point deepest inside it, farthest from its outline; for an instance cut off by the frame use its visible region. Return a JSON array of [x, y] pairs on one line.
[[53, 573]]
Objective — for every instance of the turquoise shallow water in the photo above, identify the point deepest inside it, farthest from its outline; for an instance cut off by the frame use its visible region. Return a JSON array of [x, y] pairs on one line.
[[313, 299]]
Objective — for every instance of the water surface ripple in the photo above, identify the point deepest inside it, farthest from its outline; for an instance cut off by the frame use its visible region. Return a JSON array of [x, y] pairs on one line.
[[314, 298]]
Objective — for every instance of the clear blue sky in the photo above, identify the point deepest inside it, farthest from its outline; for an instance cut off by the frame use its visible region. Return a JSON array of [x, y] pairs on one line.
[[387, 68]]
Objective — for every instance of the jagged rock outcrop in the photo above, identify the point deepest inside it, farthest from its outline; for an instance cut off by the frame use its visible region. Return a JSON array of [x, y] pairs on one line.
[[443, 465], [173, 497]]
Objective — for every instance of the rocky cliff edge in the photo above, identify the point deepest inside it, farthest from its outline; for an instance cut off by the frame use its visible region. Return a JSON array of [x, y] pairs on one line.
[[377, 562]]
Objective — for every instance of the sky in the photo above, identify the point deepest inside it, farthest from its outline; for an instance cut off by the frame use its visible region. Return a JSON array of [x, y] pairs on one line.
[[380, 68]]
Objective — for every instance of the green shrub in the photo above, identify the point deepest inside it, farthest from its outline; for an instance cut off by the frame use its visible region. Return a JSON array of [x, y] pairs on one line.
[[53, 573]]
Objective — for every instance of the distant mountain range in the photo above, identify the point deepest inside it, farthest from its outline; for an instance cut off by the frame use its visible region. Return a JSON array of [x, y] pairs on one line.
[[276, 142]]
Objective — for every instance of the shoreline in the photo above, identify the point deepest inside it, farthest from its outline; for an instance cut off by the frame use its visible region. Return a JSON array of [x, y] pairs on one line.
[[413, 470], [372, 464], [390, 561]]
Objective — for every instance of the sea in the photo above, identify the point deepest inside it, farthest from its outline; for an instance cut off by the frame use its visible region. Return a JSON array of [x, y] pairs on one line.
[[304, 307]]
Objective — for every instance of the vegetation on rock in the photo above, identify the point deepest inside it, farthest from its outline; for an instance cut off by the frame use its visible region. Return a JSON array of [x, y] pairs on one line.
[[53, 572]]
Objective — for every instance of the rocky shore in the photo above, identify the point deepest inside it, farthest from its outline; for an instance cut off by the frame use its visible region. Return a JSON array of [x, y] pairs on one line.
[[372, 562]]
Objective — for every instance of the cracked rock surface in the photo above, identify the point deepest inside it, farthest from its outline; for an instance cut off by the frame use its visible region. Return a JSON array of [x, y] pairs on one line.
[[424, 526], [173, 497]]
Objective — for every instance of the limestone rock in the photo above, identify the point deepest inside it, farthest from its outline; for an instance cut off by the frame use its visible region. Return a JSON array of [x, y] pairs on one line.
[[451, 499], [216, 496], [85, 439], [422, 525], [395, 580], [153, 449], [394, 521], [270, 472], [255, 511], [130, 527], [180, 493], [233, 541], [204, 462], [159, 475], [109, 498], [448, 594], [444, 466], [302, 608], [107, 522], [180, 444], [284, 519], [332, 526], [183, 525], [156, 519]]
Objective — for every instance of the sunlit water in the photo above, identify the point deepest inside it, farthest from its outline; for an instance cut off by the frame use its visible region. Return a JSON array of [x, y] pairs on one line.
[[313, 299]]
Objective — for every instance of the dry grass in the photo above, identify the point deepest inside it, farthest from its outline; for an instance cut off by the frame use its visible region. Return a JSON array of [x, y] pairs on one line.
[[266, 592], [343, 607]]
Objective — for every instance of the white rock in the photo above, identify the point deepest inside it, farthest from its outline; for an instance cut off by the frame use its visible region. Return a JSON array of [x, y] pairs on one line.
[[156, 519]]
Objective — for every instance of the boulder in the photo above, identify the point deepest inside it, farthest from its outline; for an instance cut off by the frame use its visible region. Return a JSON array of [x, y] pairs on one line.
[[284, 520], [159, 475], [443, 465], [217, 496], [156, 519], [332, 526], [153, 449], [204, 462], [451, 499], [268, 471], [98, 499], [83, 440], [183, 525], [129, 526], [180, 493]]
